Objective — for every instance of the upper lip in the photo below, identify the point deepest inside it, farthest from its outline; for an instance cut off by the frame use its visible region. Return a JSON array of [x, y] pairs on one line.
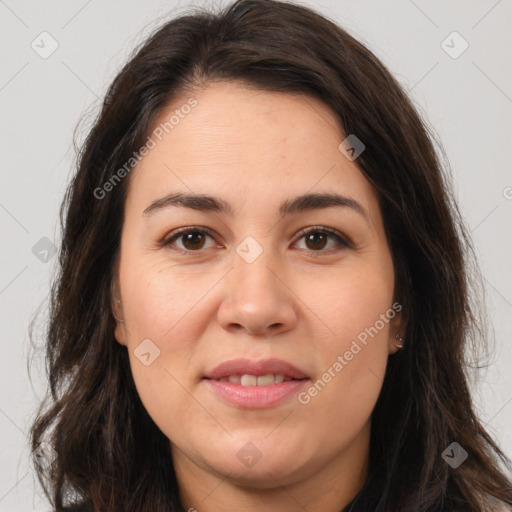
[[256, 368]]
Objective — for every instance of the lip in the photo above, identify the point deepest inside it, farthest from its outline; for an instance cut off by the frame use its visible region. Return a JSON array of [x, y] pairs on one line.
[[255, 397], [250, 367]]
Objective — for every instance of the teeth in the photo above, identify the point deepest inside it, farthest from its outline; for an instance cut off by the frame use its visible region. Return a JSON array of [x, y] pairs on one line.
[[266, 380], [253, 380], [248, 380]]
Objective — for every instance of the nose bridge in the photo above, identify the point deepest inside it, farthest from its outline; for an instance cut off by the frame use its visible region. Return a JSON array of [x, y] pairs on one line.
[[252, 275], [256, 298]]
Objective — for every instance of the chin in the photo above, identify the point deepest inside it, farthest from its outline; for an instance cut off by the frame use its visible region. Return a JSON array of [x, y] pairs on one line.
[[263, 478], [265, 473]]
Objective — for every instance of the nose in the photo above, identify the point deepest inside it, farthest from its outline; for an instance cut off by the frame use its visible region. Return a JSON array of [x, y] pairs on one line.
[[257, 298]]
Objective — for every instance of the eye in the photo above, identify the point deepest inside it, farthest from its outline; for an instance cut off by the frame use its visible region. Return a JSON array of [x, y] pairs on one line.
[[316, 239], [193, 239]]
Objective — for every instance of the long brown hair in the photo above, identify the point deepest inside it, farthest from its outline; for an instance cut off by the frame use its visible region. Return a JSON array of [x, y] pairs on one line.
[[108, 453]]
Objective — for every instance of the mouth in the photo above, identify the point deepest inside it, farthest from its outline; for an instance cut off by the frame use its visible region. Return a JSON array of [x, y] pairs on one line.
[[256, 380], [255, 384], [247, 372]]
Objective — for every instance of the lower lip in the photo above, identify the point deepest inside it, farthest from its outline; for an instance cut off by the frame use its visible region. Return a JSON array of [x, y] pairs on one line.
[[255, 397]]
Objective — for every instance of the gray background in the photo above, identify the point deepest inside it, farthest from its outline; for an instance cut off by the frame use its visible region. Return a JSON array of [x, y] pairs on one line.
[[467, 100]]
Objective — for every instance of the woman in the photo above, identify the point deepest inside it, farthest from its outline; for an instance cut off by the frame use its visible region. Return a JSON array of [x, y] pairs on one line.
[[263, 300]]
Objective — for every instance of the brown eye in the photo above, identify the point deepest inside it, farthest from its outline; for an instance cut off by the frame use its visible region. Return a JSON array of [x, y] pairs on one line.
[[317, 239], [192, 239]]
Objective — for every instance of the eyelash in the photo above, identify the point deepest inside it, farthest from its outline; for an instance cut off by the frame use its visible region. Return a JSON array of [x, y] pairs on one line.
[[343, 241]]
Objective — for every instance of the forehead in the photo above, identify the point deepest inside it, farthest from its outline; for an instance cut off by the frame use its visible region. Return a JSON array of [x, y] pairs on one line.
[[249, 142]]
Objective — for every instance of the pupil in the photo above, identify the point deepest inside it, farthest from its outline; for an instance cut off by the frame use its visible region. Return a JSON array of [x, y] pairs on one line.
[[193, 239], [313, 237]]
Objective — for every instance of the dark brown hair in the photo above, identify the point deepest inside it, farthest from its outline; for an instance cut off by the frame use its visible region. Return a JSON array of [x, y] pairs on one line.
[[109, 454]]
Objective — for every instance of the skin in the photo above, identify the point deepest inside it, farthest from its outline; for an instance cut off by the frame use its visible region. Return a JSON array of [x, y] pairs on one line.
[[301, 300]]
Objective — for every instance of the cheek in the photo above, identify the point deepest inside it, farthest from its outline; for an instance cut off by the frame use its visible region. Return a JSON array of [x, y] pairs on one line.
[[166, 306], [357, 310], [345, 394], [158, 298], [351, 301]]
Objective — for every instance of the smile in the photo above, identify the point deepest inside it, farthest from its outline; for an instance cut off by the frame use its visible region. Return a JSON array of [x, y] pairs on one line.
[[253, 380]]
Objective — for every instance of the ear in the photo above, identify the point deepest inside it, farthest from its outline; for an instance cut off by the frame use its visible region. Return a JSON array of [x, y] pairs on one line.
[[397, 327], [117, 311]]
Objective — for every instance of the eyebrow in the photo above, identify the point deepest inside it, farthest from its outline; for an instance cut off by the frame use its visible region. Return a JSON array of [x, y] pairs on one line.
[[207, 203]]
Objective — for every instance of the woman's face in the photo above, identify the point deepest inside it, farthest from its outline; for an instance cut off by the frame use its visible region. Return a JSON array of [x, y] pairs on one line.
[[248, 282]]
